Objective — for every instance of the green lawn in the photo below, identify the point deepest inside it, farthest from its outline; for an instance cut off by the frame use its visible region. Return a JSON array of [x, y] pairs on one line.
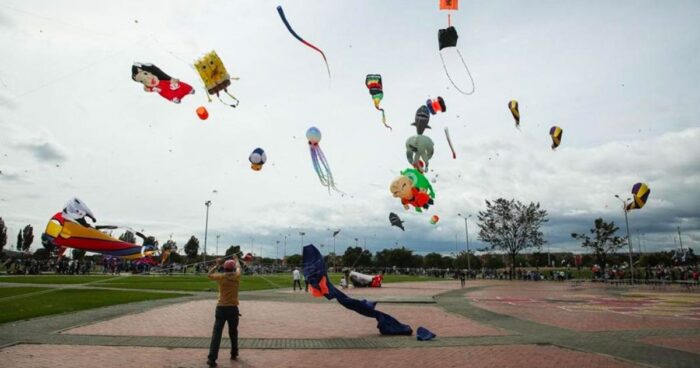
[[13, 291], [53, 279], [69, 300]]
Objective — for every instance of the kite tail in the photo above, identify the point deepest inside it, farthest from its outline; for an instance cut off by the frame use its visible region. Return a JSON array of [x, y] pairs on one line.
[[449, 141], [465, 67], [280, 11], [384, 118]]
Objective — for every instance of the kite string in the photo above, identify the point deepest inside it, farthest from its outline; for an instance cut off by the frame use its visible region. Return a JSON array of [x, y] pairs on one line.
[[465, 67]]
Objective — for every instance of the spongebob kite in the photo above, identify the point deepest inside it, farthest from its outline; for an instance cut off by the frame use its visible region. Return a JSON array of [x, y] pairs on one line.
[[214, 75]]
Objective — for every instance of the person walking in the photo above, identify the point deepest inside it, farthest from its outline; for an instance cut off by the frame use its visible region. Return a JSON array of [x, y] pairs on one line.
[[226, 308], [296, 275], [462, 278]]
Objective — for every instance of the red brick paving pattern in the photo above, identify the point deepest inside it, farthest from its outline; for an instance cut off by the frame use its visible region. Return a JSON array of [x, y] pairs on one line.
[[588, 309], [515, 356], [263, 319], [690, 344]]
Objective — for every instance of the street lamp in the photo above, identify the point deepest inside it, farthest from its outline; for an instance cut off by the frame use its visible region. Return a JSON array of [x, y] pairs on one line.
[[466, 230], [301, 233], [217, 244], [335, 233], [627, 226], [206, 229]]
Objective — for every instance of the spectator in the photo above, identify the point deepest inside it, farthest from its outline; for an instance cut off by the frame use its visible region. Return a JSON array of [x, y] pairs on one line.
[[226, 307], [296, 276]]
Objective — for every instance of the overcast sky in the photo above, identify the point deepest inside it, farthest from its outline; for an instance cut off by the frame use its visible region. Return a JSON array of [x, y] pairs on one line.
[[620, 78]]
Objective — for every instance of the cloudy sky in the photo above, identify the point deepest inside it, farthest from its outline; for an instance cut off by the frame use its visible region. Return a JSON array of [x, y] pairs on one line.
[[620, 78]]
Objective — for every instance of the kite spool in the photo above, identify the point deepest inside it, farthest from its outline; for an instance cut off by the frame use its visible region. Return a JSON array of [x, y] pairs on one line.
[[435, 106], [202, 113]]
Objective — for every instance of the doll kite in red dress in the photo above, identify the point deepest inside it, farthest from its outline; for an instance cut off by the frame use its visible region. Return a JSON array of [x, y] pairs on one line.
[[155, 80]]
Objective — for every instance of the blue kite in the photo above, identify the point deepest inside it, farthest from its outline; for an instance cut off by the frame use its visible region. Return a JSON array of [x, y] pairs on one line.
[[316, 275]]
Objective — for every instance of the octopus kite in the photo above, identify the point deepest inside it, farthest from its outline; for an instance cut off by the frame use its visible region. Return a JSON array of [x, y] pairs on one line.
[[215, 77], [155, 80], [374, 84], [323, 170]]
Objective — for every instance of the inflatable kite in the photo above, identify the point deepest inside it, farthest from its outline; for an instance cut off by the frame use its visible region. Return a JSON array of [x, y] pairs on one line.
[[640, 194], [374, 84], [214, 76], [449, 142], [434, 219], [395, 220], [315, 273], [257, 159], [513, 106], [280, 11], [435, 106], [447, 38], [69, 229], [155, 80], [362, 280], [323, 170], [414, 189], [419, 148], [556, 134], [422, 120]]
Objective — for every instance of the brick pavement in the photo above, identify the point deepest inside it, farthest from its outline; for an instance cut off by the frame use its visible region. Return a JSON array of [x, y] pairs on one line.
[[464, 314]]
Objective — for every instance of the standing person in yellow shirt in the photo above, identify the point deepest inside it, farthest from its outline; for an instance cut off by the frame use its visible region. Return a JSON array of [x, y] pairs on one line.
[[226, 308]]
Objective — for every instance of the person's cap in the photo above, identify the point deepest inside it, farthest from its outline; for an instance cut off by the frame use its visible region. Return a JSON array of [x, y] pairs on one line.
[[229, 265]]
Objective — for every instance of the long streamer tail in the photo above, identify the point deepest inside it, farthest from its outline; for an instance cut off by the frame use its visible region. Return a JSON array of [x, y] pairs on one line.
[[289, 28], [465, 67], [449, 141], [383, 117]]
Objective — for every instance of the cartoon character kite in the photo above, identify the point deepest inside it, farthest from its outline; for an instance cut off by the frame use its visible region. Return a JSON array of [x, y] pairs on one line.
[[215, 76], [155, 80], [280, 11], [414, 189], [257, 159], [375, 86], [419, 148]]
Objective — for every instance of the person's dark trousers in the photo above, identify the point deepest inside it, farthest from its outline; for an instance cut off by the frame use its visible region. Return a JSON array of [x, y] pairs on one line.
[[296, 283], [306, 286], [227, 314]]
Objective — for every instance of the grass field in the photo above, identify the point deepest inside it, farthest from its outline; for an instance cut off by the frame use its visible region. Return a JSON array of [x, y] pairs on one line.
[[53, 279], [14, 291], [65, 300]]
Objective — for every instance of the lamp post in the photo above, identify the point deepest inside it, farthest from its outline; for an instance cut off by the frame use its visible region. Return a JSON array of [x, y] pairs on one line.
[[466, 231], [627, 226], [335, 255], [206, 229], [301, 233], [217, 244]]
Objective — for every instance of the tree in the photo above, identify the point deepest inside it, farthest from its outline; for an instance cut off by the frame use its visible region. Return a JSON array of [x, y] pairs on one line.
[[604, 241], [19, 241], [78, 254], [27, 237], [492, 261], [234, 249], [511, 226], [462, 263], [396, 257], [42, 254], [433, 260], [192, 247], [294, 260], [357, 257], [3, 234], [128, 237], [169, 245]]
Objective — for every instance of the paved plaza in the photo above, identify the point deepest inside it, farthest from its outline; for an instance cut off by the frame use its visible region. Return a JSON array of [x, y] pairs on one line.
[[487, 324]]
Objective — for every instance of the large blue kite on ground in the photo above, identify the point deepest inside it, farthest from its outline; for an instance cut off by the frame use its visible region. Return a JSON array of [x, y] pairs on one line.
[[316, 275]]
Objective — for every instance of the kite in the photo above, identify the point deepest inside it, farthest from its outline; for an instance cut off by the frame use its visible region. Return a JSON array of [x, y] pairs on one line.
[[289, 28], [447, 38], [449, 141], [513, 106], [422, 119], [375, 86], [70, 229], [315, 273], [362, 280], [257, 159], [419, 148], [214, 76], [434, 219], [395, 220], [556, 133], [435, 106], [640, 194], [155, 80], [202, 113], [318, 159], [414, 189]]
